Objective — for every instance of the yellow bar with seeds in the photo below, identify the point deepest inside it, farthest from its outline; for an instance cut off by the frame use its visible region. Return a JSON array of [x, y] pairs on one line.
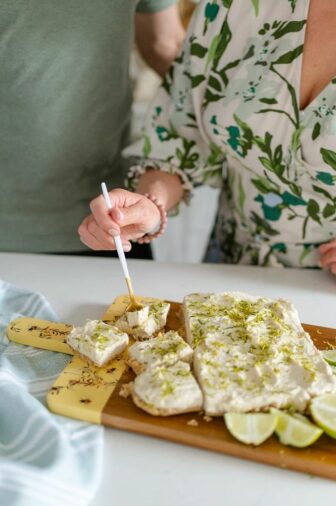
[[82, 390], [42, 334]]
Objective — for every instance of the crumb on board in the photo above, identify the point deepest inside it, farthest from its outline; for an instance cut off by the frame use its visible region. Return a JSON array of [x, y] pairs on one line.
[[207, 418], [281, 452], [193, 422], [126, 389]]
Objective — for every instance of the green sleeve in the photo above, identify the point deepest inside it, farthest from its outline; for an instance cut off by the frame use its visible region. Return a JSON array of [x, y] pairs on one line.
[[154, 5]]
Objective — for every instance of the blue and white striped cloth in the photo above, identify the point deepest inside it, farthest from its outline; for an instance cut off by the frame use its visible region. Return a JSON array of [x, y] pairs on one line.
[[45, 460]]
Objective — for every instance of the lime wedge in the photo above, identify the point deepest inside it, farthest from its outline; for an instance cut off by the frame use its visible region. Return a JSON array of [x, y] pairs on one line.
[[323, 410], [329, 356], [251, 428], [296, 430]]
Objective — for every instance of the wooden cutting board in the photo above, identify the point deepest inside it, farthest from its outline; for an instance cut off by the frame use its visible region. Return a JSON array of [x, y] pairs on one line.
[[90, 393]]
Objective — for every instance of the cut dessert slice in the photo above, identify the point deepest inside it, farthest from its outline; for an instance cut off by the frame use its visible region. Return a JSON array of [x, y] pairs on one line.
[[251, 428], [164, 391], [323, 411], [296, 430], [98, 341], [167, 349], [145, 323]]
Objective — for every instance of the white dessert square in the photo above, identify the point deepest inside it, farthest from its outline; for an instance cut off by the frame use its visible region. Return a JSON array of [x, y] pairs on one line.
[[164, 391], [252, 353], [167, 349], [228, 310], [137, 318], [98, 341], [145, 323]]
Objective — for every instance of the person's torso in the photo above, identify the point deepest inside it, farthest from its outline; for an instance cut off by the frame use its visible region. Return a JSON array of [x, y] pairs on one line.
[[64, 106], [280, 184]]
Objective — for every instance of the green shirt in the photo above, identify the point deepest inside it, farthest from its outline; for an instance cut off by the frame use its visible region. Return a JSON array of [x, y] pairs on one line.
[[65, 103]]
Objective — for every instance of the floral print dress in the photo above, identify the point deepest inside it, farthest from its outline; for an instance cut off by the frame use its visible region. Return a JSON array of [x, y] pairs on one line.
[[228, 115]]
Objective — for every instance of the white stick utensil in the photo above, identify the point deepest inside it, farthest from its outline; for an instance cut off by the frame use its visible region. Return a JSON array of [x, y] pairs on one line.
[[133, 305]]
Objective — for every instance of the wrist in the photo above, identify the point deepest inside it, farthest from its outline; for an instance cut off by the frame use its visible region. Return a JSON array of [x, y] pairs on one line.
[[167, 188], [162, 225]]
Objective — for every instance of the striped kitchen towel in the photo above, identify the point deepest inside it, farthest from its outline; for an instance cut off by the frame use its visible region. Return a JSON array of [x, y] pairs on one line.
[[45, 459]]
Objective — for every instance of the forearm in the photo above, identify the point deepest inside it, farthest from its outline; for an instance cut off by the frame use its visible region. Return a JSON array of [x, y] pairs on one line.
[[159, 37], [166, 187], [159, 58]]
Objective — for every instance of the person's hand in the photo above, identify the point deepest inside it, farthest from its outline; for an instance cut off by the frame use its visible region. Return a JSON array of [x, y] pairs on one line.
[[132, 216], [328, 256]]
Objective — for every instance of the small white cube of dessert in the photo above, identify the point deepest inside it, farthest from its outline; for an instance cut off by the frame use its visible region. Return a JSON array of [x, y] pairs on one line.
[[164, 391], [145, 323], [98, 341], [159, 311], [167, 348], [137, 318]]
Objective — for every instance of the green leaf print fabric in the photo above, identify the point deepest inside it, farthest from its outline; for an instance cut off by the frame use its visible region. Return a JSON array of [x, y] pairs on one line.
[[227, 115]]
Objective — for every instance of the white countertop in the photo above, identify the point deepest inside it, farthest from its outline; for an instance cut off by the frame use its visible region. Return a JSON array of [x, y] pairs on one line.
[[144, 471]]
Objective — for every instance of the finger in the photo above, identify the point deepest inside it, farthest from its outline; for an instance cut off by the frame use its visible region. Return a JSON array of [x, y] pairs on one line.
[[102, 216], [127, 246], [95, 238], [131, 233], [105, 238], [91, 243], [119, 199], [88, 239], [326, 247], [328, 258], [333, 268], [117, 216], [90, 232]]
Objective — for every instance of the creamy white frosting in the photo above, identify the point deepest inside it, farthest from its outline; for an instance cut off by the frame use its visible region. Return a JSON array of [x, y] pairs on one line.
[[137, 318], [252, 353], [171, 389], [166, 349], [98, 341]]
